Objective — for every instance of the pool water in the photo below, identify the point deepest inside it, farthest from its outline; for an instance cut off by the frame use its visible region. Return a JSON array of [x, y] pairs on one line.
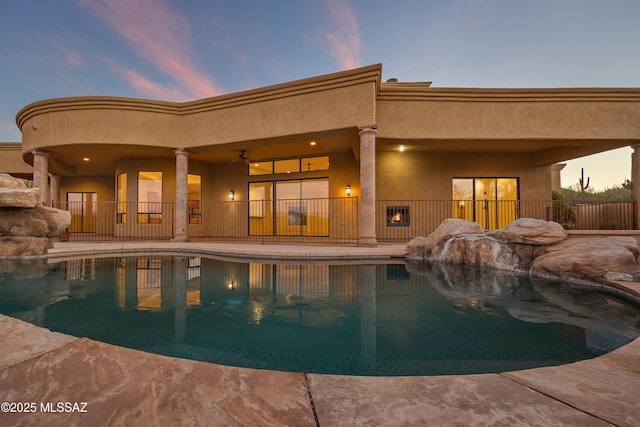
[[354, 319]]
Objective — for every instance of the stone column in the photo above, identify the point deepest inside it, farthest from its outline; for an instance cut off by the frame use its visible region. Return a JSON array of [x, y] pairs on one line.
[[367, 185], [182, 169], [41, 174], [635, 177], [54, 193]]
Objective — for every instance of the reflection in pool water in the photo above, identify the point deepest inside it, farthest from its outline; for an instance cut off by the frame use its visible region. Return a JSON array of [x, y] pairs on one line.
[[385, 319]]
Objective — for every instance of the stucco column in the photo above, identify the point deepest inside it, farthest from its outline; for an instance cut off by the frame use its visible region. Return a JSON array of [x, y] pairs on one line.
[[635, 177], [41, 174], [182, 169], [367, 185], [54, 193]]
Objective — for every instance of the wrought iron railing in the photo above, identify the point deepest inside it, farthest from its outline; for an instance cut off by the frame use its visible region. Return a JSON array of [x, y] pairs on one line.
[[327, 220], [401, 220]]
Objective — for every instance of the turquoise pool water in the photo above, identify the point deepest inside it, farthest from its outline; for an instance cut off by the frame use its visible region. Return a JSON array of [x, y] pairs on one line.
[[365, 319]]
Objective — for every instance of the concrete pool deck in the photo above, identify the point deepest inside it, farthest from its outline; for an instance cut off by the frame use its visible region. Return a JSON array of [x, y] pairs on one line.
[[62, 375]]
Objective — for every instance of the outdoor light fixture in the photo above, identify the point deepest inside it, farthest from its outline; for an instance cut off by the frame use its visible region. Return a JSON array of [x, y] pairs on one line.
[[312, 143], [401, 149], [348, 189], [230, 285], [86, 159], [232, 194]]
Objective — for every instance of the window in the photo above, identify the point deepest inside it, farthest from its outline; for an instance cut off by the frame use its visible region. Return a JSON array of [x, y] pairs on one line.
[[261, 168], [291, 208], [307, 164], [121, 198], [149, 197], [194, 189], [315, 164], [491, 202], [260, 208], [286, 166]]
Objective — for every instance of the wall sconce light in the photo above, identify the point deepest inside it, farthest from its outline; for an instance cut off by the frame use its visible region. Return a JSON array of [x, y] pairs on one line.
[[232, 194], [230, 285], [348, 189]]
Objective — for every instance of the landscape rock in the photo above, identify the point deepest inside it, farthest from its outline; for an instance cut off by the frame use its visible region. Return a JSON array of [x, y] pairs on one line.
[[40, 221], [16, 246], [24, 198], [433, 245], [8, 181], [530, 231], [620, 277], [587, 261], [528, 246]]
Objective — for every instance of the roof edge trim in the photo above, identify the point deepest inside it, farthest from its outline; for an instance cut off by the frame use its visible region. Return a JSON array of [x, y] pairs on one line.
[[368, 74]]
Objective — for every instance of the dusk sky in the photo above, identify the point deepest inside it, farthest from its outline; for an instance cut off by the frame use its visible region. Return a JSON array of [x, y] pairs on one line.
[[183, 50]]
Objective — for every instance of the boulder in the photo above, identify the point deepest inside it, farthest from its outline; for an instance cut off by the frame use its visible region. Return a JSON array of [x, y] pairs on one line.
[[19, 198], [453, 227], [7, 181], [15, 194], [40, 221], [433, 245], [417, 247], [539, 248], [16, 246], [588, 260], [530, 231]]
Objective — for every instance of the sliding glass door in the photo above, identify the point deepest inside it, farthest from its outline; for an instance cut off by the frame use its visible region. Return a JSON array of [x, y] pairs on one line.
[[289, 208], [491, 202]]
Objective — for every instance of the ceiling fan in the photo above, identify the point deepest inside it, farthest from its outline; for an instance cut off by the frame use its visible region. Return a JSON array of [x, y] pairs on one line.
[[242, 157]]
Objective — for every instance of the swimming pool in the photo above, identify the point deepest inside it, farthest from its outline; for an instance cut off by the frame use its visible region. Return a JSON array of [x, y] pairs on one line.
[[356, 319]]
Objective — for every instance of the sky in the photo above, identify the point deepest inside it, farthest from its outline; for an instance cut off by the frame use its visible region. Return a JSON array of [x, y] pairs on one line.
[[180, 50]]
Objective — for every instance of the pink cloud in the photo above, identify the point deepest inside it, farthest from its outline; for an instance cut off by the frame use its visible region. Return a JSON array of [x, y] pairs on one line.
[[65, 57], [160, 36], [344, 41], [147, 87]]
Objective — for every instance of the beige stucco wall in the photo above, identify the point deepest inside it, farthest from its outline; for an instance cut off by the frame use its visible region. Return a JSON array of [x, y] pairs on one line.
[[11, 160], [324, 103], [300, 114], [488, 114], [104, 186], [95, 125], [428, 175]]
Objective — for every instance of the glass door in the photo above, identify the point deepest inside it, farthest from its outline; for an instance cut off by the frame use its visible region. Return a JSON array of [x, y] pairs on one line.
[[83, 212], [491, 202]]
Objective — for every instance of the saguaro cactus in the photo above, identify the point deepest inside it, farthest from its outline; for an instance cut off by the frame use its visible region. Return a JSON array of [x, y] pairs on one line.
[[582, 186]]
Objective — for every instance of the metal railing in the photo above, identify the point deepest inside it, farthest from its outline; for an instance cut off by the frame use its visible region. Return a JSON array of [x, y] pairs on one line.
[[321, 220], [327, 220], [401, 220], [330, 220], [105, 221]]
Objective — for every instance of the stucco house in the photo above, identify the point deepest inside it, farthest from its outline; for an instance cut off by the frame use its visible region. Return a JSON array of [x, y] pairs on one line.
[[343, 157]]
